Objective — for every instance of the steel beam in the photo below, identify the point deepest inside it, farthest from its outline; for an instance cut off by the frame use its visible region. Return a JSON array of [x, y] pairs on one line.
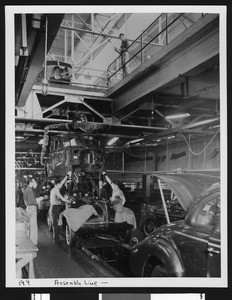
[[81, 101], [30, 169], [130, 113], [37, 56], [102, 34], [53, 106], [44, 120], [60, 89], [162, 116], [182, 128], [74, 132], [24, 31], [194, 47], [83, 21]]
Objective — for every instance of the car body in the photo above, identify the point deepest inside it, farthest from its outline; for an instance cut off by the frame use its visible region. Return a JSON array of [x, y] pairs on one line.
[[103, 223], [78, 154], [84, 157], [153, 214], [188, 247]]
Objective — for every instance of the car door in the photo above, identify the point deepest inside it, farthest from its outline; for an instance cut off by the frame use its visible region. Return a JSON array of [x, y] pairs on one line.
[[213, 253]]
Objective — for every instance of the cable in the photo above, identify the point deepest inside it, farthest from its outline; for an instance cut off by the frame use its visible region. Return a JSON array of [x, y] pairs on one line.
[[194, 153], [70, 146], [138, 156]]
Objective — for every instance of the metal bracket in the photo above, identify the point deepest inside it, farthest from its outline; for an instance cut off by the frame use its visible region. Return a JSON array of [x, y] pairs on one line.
[[23, 51], [111, 121]]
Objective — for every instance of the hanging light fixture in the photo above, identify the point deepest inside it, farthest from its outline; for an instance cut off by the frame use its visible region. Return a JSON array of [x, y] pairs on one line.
[[179, 115], [152, 111], [152, 117], [112, 141], [45, 84], [133, 142]]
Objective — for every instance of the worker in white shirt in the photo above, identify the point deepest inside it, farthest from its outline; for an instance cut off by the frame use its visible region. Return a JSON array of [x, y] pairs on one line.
[[116, 191], [56, 200], [122, 214]]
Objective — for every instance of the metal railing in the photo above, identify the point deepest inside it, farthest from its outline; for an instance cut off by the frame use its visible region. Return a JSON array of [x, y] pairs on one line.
[[89, 78], [158, 34]]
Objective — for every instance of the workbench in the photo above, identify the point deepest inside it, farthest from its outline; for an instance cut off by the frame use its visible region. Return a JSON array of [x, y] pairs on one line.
[[26, 251]]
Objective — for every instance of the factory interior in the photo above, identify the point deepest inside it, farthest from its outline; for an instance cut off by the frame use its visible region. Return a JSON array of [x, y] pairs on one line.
[[117, 144]]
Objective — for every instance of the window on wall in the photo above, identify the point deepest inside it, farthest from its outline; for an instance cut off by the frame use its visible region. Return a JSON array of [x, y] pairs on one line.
[[114, 161]]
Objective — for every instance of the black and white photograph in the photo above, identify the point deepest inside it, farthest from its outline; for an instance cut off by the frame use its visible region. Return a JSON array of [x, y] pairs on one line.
[[116, 149]]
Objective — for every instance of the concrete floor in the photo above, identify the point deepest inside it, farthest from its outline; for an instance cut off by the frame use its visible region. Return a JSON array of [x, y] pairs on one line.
[[58, 261], [51, 261]]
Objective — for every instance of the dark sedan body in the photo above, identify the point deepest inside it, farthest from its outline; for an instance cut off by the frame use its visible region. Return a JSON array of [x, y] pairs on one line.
[[186, 248]]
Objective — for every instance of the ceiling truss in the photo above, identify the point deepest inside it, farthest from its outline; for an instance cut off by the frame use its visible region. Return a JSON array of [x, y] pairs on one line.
[[138, 105]]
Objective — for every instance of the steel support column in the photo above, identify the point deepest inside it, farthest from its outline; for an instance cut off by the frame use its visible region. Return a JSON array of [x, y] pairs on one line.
[[37, 57]]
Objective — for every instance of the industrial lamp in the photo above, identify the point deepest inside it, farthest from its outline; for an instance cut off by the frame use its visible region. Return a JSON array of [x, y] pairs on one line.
[[152, 111], [177, 116], [44, 84], [133, 142], [112, 141]]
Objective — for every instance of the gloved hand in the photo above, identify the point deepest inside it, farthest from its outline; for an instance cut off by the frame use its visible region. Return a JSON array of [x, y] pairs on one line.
[[103, 173]]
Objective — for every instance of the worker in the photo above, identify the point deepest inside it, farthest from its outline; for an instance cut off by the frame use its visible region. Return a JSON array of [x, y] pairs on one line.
[[56, 73], [31, 208], [117, 193], [122, 214], [103, 193], [20, 187], [94, 188], [65, 76], [56, 205], [123, 51]]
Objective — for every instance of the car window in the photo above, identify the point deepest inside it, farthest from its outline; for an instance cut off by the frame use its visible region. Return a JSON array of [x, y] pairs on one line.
[[209, 214], [55, 143]]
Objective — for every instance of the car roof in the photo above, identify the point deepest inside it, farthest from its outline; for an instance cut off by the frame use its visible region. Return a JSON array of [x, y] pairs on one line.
[[187, 186]]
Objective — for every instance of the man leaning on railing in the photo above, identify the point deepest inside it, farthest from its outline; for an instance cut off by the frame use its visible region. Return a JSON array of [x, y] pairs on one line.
[[123, 51]]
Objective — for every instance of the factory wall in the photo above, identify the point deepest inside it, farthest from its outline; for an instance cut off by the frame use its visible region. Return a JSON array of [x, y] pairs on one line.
[[178, 155]]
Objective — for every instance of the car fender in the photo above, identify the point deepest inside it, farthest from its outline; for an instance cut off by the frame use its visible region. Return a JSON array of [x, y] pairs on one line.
[[159, 251], [165, 253]]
